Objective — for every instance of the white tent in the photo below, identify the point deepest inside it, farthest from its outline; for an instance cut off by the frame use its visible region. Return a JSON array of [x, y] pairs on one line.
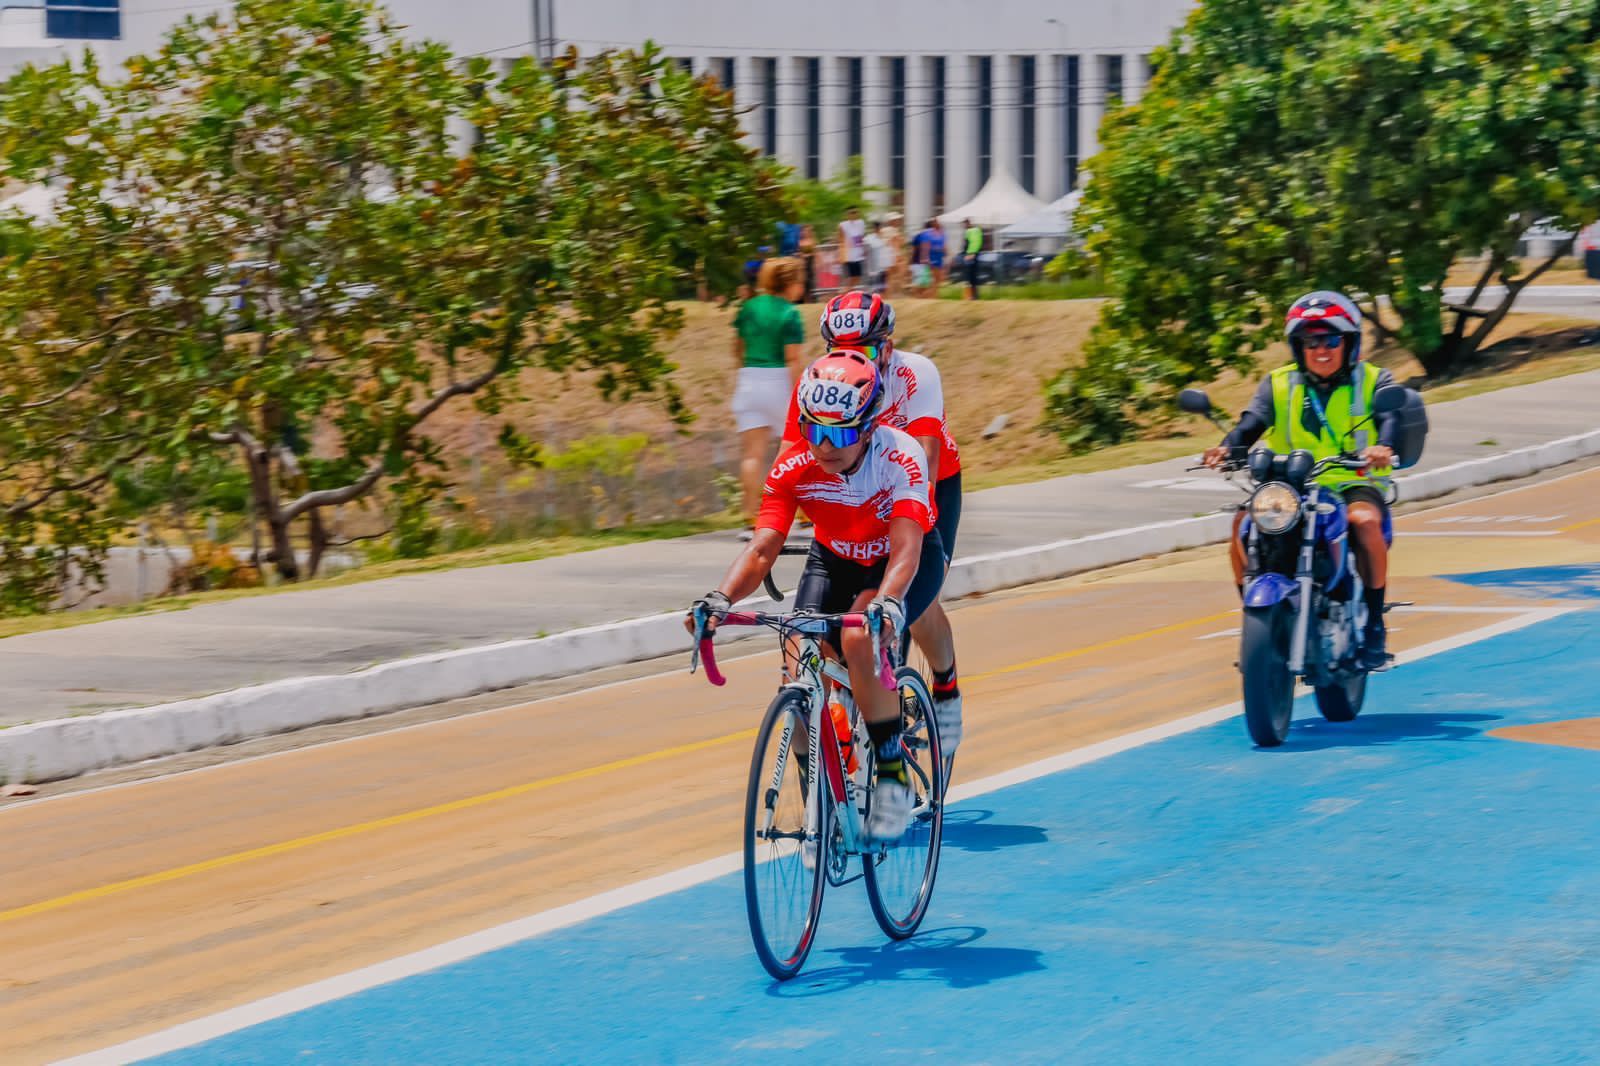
[[999, 203], [1051, 224]]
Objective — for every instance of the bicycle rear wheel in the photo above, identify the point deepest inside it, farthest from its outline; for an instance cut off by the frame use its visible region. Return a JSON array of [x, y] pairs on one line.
[[900, 878], [914, 657], [783, 814]]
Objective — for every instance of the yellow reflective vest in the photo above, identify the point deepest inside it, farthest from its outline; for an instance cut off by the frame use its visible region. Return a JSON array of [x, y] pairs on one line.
[[1345, 406]]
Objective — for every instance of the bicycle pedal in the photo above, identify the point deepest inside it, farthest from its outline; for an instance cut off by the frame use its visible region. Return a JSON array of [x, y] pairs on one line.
[[1398, 603]]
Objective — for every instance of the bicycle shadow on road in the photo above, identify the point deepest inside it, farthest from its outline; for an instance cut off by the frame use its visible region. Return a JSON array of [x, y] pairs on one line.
[[1378, 729], [969, 829], [945, 956]]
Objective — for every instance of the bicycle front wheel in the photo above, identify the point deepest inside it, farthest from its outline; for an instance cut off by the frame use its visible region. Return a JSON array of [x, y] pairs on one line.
[[900, 878], [786, 827]]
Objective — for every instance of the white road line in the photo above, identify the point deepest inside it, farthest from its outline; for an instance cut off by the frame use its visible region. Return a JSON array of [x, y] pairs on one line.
[[1423, 608], [1220, 633], [228, 1021], [1408, 534]]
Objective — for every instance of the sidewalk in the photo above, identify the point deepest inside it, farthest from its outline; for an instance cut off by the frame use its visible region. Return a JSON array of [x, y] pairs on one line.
[[158, 658]]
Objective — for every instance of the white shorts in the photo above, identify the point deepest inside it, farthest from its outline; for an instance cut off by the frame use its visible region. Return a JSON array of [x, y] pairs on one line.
[[762, 398]]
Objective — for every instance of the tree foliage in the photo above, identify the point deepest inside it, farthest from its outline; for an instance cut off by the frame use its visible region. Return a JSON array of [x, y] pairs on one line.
[[823, 202], [276, 238], [1289, 145]]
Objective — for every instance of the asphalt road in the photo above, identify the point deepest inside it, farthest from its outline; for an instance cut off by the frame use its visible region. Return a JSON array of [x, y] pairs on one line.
[[156, 658], [131, 908]]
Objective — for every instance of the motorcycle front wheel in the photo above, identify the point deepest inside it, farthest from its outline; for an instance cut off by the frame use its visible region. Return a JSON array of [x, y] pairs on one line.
[[1264, 662]]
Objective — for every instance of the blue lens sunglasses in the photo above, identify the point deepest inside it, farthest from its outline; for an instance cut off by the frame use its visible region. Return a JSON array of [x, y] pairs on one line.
[[838, 436]]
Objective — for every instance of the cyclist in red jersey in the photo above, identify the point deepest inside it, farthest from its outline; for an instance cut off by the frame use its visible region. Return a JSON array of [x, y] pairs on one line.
[[866, 488], [913, 401]]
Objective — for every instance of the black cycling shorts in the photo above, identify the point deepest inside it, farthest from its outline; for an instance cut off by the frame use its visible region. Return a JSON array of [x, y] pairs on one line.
[[947, 501], [830, 584]]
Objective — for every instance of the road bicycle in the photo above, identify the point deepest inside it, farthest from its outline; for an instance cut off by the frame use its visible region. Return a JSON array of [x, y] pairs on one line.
[[799, 839], [910, 654]]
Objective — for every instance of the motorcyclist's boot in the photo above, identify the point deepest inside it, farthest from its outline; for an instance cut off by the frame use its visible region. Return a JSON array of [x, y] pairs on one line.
[[1374, 647]]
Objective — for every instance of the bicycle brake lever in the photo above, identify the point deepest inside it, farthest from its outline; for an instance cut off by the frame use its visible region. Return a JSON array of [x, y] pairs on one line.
[[699, 635]]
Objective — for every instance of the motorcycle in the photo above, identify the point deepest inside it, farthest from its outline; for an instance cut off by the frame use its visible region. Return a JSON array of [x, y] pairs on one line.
[[1304, 615]]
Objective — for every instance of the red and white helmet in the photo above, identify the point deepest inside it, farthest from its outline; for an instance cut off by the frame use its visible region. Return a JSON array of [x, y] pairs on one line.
[[1325, 310], [840, 389], [857, 318]]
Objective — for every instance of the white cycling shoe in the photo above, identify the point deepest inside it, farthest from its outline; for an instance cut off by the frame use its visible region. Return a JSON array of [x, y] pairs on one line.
[[948, 714], [890, 810]]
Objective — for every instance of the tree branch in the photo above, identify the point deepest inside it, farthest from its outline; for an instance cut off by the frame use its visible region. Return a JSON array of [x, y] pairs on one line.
[[334, 497]]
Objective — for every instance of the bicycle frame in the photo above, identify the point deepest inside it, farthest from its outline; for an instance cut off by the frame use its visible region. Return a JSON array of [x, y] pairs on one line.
[[813, 671]]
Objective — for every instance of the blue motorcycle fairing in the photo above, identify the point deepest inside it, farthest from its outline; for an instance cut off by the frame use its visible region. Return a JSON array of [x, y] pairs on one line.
[[1269, 589]]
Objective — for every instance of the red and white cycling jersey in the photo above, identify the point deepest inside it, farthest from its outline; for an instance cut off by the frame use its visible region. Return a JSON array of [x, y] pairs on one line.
[[852, 513], [913, 400]]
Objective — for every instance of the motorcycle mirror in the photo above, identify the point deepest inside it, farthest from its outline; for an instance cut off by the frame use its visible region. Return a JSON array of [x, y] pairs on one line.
[[1388, 400], [1195, 402]]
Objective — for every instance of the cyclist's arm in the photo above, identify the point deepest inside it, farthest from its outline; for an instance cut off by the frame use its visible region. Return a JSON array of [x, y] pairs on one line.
[[934, 447], [905, 551], [754, 563], [738, 351], [925, 414]]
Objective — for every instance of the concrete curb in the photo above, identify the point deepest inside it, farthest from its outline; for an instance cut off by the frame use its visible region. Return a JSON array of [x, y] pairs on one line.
[[46, 751]]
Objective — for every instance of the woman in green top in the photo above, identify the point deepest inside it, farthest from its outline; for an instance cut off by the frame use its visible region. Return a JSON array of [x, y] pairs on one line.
[[768, 337]]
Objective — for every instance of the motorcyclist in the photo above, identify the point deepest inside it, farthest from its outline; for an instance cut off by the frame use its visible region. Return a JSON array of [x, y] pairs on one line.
[[1322, 403]]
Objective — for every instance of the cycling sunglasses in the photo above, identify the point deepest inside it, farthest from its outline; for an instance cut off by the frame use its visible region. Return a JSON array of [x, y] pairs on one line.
[[838, 436], [1314, 341]]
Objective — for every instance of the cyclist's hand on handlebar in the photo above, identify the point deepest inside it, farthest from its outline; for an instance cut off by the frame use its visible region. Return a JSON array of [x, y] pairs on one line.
[[1379, 457], [1216, 456], [891, 615], [713, 605]]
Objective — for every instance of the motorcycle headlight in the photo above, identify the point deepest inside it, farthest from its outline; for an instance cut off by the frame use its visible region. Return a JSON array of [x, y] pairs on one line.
[[1275, 507]]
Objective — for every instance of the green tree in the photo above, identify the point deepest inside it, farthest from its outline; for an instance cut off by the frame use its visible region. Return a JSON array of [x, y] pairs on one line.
[[273, 240], [822, 203], [1300, 144]]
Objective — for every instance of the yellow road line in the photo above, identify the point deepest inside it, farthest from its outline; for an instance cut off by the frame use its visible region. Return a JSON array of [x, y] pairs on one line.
[[178, 872], [1104, 645], [1581, 525], [269, 850]]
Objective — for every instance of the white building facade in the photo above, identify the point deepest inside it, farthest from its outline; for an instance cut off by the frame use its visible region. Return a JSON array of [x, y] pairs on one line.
[[933, 95]]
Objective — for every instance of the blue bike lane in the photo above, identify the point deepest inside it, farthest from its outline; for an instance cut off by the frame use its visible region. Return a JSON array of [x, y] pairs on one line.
[[1409, 886]]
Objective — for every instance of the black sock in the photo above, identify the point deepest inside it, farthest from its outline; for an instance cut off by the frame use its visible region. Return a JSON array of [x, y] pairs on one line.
[[944, 683], [886, 746], [1374, 601]]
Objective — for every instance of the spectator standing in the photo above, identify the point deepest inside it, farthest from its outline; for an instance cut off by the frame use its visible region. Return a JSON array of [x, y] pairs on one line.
[[927, 259], [880, 259], [853, 248], [768, 338], [972, 245], [808, 256], [894, 240]]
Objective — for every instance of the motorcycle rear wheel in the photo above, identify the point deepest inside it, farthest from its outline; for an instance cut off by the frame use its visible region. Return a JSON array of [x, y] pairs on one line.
[[1264, 662], [1341, 702]]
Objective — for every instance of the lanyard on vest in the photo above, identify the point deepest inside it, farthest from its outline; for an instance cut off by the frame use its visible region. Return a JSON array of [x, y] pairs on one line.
[[1356, 412]]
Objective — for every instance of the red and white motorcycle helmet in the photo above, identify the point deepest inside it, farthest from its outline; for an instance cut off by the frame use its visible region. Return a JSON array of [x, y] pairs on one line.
[[840, 390], [857, 318], [1322, 311]]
